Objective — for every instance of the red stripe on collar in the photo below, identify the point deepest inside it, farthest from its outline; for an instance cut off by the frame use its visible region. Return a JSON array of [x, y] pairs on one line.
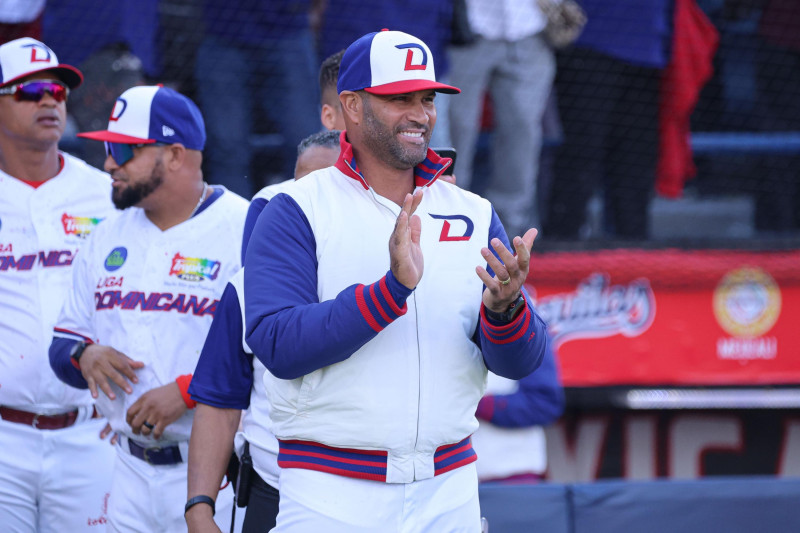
[[348, 166]]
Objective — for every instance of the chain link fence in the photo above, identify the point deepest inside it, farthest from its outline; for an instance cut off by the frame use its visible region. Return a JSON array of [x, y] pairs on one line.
[[667, 121]]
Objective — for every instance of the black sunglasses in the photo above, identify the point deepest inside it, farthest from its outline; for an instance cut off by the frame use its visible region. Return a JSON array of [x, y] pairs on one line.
[[123, 152]]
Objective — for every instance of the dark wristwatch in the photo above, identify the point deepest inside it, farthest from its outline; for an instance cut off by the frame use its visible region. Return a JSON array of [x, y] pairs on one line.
[[202, 498], [77, 351], [509, 314]]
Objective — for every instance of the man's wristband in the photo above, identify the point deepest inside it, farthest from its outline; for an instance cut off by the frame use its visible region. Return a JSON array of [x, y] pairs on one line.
[[200, 499]]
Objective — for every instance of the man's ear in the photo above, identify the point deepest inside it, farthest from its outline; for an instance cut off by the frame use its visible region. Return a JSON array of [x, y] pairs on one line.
[[328, 116], [352, 106], [176, 155]]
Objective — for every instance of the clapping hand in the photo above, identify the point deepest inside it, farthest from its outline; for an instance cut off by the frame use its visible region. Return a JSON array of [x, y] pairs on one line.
[[404, 249], [511, 271]]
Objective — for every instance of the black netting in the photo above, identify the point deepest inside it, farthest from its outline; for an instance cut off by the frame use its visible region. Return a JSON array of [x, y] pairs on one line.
[[643, 76]]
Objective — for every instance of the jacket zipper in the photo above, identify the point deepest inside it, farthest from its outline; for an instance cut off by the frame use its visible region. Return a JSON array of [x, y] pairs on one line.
[[419, 372]]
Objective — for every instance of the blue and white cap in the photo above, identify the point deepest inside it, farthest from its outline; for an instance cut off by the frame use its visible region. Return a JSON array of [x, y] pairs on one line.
[[151, 113], [26, 56], [389, 62]]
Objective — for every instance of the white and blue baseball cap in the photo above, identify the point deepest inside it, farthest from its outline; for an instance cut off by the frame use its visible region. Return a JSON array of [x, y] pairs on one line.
[[389, 62], [151, 113], [26, 56]]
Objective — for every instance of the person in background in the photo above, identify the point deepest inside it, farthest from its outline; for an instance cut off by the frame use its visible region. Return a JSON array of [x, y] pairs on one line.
[[55, 472], [331, 118], [256, 57], [510, 59], [144, 292], [331, 110], [608, 96], [510, 441], [227, 380], [319, 150], [21, 19]]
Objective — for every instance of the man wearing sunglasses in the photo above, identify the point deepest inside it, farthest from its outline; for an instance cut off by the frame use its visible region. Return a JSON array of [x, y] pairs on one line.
[[55, 473], [144, 293]]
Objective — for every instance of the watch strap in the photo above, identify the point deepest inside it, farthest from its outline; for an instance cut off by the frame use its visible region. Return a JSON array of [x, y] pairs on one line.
[[77, 352], [509, 314]]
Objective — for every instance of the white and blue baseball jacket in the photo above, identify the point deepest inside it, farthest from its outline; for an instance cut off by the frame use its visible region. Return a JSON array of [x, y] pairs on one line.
[[369, 379]]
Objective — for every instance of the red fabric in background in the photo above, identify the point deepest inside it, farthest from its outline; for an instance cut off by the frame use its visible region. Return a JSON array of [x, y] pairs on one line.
[[694, 44], [9, 32]]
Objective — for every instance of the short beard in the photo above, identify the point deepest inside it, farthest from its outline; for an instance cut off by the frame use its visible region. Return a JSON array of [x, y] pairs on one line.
[[384, 144], [132, 195]]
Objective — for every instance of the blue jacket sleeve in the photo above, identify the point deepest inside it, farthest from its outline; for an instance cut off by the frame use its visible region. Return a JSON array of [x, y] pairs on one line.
[[224, 374], [61, 364], [281, 303], [516, 349], [256, 206], [538, 401]]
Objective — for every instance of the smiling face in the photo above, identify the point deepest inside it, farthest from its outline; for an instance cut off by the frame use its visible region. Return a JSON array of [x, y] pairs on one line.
[[397, 128], [35, 124]]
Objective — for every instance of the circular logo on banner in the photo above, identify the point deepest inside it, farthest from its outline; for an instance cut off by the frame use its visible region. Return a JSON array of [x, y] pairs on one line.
[[747, 302], [116, 258]]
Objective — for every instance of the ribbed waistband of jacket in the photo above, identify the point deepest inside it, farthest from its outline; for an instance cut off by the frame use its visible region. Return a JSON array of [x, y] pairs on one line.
[[364, 464]]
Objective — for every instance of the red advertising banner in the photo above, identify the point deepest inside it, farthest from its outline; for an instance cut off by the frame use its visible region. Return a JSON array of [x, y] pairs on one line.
[[671, 317]]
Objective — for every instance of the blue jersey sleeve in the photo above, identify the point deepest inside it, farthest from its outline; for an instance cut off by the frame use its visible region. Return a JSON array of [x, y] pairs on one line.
[[224, 374], [256, 206], [281, 303], [538, 401], [60, 362], [516, 349]]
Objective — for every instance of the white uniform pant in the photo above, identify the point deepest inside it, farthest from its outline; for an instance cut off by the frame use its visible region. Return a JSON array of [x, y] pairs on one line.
[[312, 502], [54, 480], [151, 499]]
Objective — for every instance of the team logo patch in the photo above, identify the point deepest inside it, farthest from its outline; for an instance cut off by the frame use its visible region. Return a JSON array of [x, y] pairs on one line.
[[119, 108], [747, 302], [39, 53], [410, 56], [194, 268], [116, 258], [450, 232], [79, 226]]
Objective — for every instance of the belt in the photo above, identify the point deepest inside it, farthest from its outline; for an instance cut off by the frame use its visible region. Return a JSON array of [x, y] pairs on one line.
[[156, 455], [39, 421]]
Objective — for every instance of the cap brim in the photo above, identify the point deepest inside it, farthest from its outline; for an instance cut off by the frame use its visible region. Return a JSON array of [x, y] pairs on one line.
[[66, 73], [110, 136], [409, 86]]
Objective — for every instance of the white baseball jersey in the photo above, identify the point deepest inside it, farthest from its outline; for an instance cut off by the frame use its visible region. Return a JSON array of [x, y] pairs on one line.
[[41, 230], [152, 294], [53, 480]]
